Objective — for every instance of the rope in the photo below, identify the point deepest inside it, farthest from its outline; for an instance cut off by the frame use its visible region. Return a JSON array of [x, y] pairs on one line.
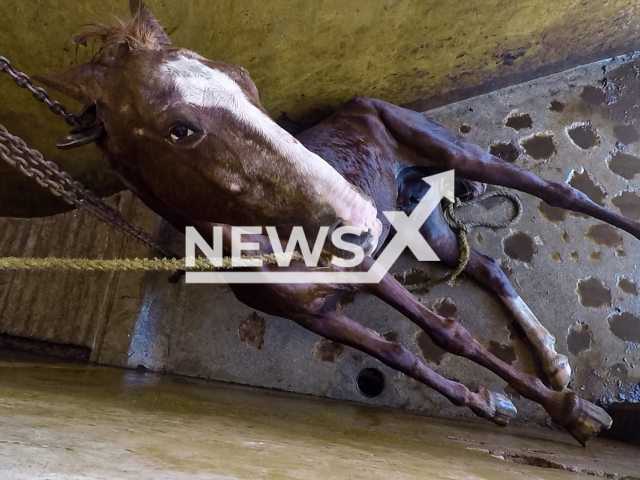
[[462, 230], [118, 265], [173, 264], [454, 223]]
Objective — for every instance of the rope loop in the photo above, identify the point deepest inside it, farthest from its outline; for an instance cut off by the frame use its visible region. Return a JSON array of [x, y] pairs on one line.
[[463, 229]]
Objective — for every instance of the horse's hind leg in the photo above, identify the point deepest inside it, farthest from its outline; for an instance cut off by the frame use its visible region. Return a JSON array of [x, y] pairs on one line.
[[485, 271], [582, 419], [340, 328], [432, 144]]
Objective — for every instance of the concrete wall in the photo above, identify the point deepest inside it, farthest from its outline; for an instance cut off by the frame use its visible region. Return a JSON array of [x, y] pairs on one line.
[[303, 55]]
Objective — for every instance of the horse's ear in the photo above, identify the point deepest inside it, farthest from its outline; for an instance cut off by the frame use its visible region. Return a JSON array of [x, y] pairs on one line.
[[82, 83], [142, 13]]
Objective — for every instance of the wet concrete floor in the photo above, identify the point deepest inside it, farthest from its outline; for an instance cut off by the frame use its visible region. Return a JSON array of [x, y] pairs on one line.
[[70, 420]]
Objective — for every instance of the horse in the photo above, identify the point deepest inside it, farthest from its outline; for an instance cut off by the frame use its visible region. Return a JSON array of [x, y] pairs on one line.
[[190, 138]]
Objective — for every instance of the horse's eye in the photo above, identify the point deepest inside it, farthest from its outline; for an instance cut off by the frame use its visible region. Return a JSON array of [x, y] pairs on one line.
[[180, 132]]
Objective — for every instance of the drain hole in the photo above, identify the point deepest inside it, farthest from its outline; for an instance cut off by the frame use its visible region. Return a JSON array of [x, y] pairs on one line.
[[370, 382]]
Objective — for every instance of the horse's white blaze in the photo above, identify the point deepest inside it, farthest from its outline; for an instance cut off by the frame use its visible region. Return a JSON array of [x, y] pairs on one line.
[[201, 85]]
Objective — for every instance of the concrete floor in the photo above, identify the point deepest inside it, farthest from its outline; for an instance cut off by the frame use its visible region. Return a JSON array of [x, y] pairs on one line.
[[70, 421]]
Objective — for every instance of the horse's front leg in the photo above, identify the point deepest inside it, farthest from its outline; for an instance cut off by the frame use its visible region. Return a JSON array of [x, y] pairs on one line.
[[313, 306], [339, 328], [429, 143], [582, 419]]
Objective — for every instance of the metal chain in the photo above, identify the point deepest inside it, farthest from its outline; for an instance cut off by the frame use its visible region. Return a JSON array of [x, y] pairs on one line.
[[47, 174], [40, 94], [30, 162]]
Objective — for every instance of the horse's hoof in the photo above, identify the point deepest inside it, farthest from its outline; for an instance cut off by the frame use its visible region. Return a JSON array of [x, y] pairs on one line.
[[505, 410], [558, 372], [585, 420], [495, 407]]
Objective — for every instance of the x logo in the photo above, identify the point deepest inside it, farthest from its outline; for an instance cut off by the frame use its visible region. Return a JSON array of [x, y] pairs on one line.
[[408, 227]]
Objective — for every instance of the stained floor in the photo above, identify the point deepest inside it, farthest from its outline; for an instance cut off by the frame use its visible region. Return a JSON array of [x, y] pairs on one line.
[[71, 421]]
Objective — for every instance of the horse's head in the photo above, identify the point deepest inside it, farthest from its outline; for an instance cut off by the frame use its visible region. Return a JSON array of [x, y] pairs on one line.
[[192, 133]]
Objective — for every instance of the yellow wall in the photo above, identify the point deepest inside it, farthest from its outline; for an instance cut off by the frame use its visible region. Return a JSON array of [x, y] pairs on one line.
[[304, 54]]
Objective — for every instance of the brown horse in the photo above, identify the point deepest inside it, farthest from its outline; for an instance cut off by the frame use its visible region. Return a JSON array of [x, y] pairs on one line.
[[189, 137]]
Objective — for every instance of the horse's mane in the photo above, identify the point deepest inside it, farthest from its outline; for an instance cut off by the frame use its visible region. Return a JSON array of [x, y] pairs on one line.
[[133, 31]]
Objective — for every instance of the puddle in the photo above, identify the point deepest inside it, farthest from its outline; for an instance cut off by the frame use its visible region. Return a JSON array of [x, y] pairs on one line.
[[555, 215], [326, 351], [505, 353], [540, 146], [584, 135], [587, 184], [628, 286], [429, 350], [604, 234], [625, 326], [465, 128], [479, 239], [251, 331], [629, 204], [509, 152], [573, 256], [518, 121], [595, 256], [556, 106], [592, 293], [594, 96], [520, 246], [555, 256], [446, 308], [626, 134], [579, 339], [565, 237], [624, 164]]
